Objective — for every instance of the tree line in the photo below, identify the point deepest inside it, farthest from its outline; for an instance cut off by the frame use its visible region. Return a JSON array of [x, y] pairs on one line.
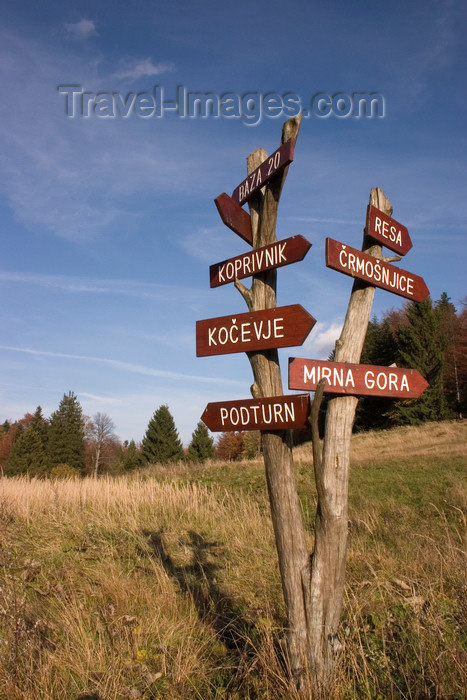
[[429, 337], [72, 444]]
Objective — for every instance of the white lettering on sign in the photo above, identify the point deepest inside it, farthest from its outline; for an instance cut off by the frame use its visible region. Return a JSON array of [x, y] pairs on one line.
[[387, 231], [258, 414], [252, 263], [375, 271], [344, 378], [333, 375], [384, 380], [247, 331]]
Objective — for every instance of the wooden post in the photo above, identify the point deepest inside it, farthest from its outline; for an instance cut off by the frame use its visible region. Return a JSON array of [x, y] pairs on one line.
[[313, 586], [326, 586], [278, 460]]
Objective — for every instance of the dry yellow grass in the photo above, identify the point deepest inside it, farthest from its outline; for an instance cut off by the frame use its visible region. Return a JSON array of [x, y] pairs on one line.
[[142, 587], [446, 438]]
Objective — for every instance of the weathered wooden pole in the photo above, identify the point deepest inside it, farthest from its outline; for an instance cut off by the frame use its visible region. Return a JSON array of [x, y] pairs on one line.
[[326, 585], [278, 460]]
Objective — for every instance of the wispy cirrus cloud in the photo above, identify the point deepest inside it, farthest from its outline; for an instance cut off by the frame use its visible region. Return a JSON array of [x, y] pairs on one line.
[[82, 29], [142, 68], [131, 367], [93, 285]]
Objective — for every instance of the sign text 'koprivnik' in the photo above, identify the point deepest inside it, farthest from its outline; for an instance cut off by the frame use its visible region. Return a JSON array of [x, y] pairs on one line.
[[281, 327], [285, 252], [274, 413], [353, 262]]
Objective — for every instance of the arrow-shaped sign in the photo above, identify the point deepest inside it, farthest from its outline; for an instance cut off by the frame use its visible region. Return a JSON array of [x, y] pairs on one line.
[[274, 255], [281, 327], [233, 216], [264, 173], [381, 274], [275, 413], [356, 380], [387, 231]]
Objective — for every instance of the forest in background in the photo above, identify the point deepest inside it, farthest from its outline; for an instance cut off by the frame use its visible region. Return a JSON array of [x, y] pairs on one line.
[[429, 337]]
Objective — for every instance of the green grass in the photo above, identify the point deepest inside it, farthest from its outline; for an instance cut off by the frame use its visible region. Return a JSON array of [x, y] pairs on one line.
[[166, 585]]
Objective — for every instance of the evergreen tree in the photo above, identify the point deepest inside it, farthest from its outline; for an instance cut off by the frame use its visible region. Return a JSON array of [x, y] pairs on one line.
[[40, 425], [201, 446], [28, 455], [421, 345], [161, 443], [65, 443], [130, 456], [380, 348]]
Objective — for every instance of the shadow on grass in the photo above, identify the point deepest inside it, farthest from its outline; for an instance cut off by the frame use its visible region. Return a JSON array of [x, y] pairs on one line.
[[198, 579]]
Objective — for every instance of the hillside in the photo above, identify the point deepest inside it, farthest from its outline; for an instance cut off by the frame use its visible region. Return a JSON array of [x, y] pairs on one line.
[[164, 584]]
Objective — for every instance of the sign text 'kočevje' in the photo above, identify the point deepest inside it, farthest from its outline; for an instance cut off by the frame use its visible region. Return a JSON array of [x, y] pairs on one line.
[[281, 327]]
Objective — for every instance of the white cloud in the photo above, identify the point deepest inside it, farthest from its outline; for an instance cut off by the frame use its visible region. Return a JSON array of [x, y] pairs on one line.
[[82, 29], [123, 366], [322, 340], [135, 69]]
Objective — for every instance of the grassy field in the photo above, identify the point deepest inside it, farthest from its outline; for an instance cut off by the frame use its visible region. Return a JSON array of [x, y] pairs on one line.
[[164, 584]]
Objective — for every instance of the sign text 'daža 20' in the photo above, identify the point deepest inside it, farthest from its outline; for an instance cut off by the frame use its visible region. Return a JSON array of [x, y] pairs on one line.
[[273, 413], [353, 262], [281, 327], [278, 254], [355, 380], [264, 173]]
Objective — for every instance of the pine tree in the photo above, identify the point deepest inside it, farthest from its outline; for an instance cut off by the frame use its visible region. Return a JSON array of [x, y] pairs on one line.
[[28, 455], [40, 425], [421, 345], [65, 443], [380, 348], [130, 456], [201, 446], [161, 443]]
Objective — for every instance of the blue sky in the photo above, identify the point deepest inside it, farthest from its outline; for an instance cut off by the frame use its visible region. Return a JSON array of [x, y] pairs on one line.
[[108, 226]]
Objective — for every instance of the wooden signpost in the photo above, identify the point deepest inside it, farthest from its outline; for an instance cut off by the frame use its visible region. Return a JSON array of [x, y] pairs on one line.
[[312, 585], [233, 216], [281, 327], [273, 413], [387, 231], [264, 173], [271, 256], [376, 272], [355, 380]]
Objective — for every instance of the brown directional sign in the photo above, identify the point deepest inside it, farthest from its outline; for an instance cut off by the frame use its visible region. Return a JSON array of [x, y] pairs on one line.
[[233, 216], [356, 380], [274, 255], [353, 262], [275, 413], [281, 327], [263, 173], [387, 231]]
